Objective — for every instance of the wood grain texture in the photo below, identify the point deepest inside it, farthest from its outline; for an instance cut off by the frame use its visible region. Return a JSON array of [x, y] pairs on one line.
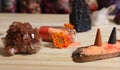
[[51, 58]]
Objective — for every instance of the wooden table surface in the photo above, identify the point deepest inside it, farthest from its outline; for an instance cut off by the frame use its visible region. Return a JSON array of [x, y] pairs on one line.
[[50, 58]]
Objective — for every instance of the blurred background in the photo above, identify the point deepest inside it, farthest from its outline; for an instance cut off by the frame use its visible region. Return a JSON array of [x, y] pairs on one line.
[[49, 6]]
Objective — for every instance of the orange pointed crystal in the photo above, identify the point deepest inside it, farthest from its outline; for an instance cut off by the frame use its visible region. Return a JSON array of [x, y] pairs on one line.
[[98, 39]]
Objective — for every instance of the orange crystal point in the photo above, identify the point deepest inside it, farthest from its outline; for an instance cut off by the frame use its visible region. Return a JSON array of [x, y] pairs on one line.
[[98, 39]]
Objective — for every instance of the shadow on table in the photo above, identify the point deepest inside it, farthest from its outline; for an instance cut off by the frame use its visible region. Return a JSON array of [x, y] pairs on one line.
[[3, 52], [48, 45]]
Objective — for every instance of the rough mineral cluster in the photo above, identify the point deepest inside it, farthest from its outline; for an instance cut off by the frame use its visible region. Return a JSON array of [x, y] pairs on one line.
[[80, 16], [22, 38]]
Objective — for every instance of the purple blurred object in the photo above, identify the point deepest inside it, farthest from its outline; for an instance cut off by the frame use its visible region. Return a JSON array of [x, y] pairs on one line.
[[28, 6], [107, 3], [55, 6], [8, 5], [117, 5]]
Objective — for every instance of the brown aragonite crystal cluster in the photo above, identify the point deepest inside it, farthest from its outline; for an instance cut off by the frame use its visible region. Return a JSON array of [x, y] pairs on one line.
[[22, 38]]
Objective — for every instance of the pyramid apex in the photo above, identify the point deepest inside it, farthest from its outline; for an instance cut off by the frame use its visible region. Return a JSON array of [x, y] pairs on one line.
[[112, 39], [98, 39]]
